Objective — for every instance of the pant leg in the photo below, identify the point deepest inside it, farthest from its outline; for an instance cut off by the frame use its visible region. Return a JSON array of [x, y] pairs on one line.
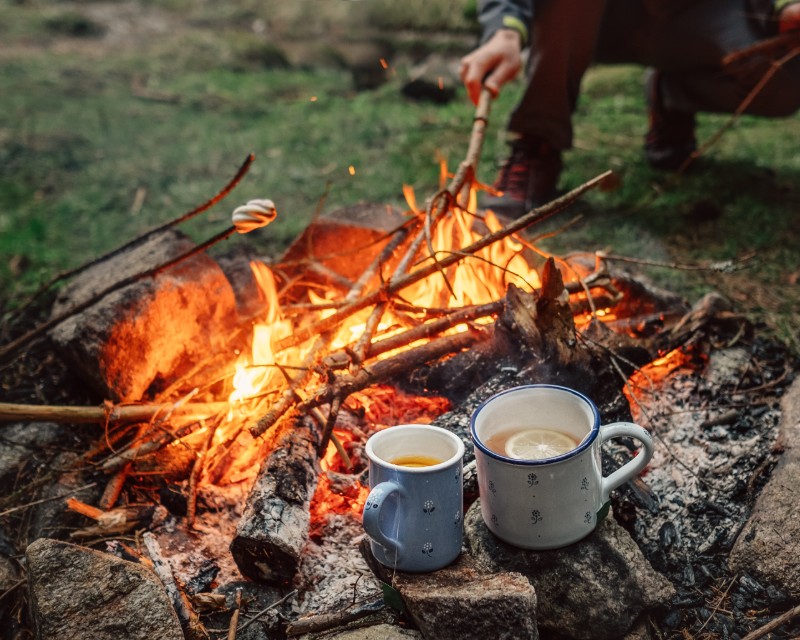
[[563, 38], [688, 44]]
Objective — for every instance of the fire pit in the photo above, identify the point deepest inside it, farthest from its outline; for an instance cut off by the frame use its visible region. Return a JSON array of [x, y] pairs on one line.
[[227, 480]]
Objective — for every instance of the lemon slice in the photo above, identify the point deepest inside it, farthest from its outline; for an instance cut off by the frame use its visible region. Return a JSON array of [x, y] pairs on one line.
[[538, 444]]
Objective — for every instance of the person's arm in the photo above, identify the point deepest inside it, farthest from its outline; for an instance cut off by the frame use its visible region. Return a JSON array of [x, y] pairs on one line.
[[498, 59]]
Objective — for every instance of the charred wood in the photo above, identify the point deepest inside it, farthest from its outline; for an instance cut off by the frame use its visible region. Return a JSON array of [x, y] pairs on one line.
[[274, 526]]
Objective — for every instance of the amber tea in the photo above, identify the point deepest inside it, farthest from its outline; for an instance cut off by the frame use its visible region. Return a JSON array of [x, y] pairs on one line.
[[415, 461]]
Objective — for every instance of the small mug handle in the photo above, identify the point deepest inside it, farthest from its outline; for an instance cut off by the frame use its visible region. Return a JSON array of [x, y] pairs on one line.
[[371, 516], [629, 469]]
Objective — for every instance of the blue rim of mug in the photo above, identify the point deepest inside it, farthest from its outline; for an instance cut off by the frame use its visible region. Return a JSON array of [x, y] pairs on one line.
[[584, 444], [458, 455]]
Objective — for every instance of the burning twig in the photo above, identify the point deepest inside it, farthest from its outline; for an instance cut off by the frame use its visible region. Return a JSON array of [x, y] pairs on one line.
[[114, 488], [395, 285], [112, 522], [386, 369], [424, 331]]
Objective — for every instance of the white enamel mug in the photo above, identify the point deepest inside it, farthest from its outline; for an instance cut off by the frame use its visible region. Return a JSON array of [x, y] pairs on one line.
[[551, 502]]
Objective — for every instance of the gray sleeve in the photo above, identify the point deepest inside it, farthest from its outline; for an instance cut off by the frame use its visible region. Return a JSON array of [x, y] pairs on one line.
[[510, 14]]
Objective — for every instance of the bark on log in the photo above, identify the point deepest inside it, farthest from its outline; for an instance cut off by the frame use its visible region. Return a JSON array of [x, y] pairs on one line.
[[274, 526], [544, 320]]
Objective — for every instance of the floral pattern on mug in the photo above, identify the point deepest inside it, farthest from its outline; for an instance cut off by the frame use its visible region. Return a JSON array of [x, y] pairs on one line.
[[532, 480], [370, 505], [536, 516], [428, 507], [495, 521], [492, 487], [585, 484], [427, 549], [587, 517]]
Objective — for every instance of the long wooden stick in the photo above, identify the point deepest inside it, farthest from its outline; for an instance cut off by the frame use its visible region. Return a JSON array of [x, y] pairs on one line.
[[774, 67], [386, 369], [100, 415], [768, 46], [180, 219]]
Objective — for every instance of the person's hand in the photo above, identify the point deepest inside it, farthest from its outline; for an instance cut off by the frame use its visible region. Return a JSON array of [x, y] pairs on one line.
[[492, 64], [789, 18]]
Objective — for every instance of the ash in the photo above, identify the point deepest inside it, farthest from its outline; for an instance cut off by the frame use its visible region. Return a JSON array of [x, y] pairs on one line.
[[714, 443], [333, 574]]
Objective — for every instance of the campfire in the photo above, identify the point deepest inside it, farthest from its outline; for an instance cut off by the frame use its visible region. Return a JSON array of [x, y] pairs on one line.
[[230, 459]]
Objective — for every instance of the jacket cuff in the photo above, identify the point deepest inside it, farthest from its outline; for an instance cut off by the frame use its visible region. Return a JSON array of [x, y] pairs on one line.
[[780, 5], [505, 14], [514, 23]]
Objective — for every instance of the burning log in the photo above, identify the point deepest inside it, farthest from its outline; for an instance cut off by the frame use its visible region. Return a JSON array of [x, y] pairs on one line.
[[274, 526]]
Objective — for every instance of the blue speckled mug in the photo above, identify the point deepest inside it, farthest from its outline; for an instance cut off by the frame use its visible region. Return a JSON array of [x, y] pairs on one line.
[[413, 514]]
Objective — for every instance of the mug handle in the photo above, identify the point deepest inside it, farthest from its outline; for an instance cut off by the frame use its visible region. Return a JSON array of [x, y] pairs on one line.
[[371, 516], [629, 469]]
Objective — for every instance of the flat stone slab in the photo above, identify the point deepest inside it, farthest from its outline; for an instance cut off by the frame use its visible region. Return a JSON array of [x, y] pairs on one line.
[[463, 601], [82, 594], [768, 547], [593, 589]]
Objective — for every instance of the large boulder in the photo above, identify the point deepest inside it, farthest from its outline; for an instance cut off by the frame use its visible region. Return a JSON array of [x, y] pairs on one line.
[[768, 546], [593, 589], [82, 594]]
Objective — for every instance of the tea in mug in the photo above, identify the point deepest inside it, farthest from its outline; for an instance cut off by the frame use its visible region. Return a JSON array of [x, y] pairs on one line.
[[415, 461], [531, 443]]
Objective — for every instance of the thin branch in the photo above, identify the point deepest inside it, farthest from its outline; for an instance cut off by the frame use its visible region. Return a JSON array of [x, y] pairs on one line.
[[104, 414], [773, 624], [774, 67], [51, 499], [768, 46], [263, 611]]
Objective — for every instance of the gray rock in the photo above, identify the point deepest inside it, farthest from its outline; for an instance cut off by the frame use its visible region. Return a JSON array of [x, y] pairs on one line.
[[24, 441], [461, 601], [151, 332], [82, 594], [593, 589], [640, 631], [50, 518], [768, 546], [9, 574]]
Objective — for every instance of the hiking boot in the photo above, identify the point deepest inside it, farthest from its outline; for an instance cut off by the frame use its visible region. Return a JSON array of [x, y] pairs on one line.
[[527, 179], [670, 140]]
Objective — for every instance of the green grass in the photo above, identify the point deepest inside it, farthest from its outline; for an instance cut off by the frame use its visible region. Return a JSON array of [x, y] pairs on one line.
[[84, 129]]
